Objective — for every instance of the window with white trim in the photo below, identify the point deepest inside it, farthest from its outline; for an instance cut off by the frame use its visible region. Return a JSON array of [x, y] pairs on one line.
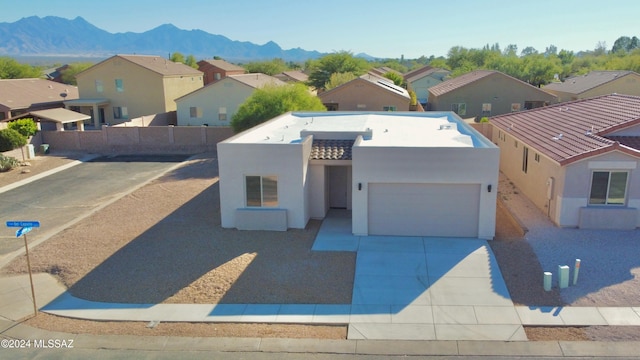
[[608, 188], [261, 191], [99, 86], [195, 112], [222, 114], [389, 108]]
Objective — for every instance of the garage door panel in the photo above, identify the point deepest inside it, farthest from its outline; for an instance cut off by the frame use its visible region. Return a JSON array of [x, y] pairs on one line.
[[424, 209]]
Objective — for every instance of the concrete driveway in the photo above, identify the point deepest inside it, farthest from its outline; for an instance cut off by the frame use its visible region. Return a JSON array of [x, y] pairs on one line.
[[420, 288]]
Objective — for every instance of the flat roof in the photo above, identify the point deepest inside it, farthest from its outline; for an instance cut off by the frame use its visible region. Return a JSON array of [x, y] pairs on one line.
[[378, 129]]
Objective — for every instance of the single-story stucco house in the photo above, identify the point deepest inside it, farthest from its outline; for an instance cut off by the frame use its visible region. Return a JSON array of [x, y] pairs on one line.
[[576, 161], [400, 173]]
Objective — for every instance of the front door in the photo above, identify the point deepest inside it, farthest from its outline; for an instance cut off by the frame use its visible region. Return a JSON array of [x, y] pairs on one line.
[[338, 187]]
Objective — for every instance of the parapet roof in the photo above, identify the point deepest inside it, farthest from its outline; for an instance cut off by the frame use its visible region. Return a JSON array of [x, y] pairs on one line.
[[378, 129]]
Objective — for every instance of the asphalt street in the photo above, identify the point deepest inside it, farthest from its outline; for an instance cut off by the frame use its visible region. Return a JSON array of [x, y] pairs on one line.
[[59, 200]]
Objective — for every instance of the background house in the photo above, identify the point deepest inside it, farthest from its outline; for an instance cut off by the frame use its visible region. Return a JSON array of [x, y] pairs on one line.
[[400, 173], [292, 76], [18, 96], [124, 87], [216, 103], [487, 93], [420, 80], [215, 70], [576, 161], [596, 83], [366, 93]]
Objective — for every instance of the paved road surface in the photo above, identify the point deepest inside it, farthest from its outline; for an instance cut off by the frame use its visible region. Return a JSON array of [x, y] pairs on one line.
[[62, 198]]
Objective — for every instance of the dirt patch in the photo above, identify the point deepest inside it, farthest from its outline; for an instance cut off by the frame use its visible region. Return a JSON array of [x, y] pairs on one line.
[[585, 333], [36, 166]]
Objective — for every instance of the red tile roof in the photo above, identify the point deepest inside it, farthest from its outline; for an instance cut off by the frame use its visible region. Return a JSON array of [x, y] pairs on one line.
[[571, 131], [331, 149]]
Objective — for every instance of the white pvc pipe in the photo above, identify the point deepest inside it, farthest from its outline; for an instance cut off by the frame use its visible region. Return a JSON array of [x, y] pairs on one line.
[[563, 276], [575, 272]]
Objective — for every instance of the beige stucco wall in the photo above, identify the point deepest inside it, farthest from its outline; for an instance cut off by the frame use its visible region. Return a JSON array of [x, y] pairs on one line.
[[533, 183], [571, 184], [498, 90], [144, 92], [228, 93], [628, 84], [363, 92]]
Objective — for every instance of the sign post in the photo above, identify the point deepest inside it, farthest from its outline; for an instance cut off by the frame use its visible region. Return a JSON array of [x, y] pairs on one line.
[[25, 227]]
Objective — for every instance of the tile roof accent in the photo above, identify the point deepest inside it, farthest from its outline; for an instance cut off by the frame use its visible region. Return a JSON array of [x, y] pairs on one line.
[[257, 80], [22, 93], [571, 131], [582, 83], [331, 149], [161, 65], [221, 64]]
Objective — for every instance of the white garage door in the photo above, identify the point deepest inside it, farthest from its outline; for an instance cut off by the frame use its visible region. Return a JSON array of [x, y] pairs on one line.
[[424, 209]]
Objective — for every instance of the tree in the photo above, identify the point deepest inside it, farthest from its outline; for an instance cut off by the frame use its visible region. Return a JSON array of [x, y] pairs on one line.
[[69, 74], [529, 50], [177, 57], [26, 127], [338, 79], [551, 50], [270, 101], [11, 139], [625, 44], [191, 61], [601, 48], [395, 77], [11, 69], [273, 67], [341, 62]]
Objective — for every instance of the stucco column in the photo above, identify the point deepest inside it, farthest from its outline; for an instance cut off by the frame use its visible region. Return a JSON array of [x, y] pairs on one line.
[[96, 117], [59, 127], [80, 125]]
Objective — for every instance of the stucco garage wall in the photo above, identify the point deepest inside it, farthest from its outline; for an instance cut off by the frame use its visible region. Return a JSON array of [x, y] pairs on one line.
[[426, 166], [236, 160]]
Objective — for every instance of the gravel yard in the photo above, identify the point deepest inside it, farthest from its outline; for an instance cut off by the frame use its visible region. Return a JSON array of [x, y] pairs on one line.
[[163, 244]]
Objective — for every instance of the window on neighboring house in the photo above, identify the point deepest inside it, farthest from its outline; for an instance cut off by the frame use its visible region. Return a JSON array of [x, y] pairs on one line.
[[389, 108], [460, 108], [217, 76], [525, 159], [515, 107], [537, 157], [99, 86], [331, 106], [261, 191], [608, 188], [486, 109], [361, 106], [119, 85], [195, 112], [222, 114], [120, 112]]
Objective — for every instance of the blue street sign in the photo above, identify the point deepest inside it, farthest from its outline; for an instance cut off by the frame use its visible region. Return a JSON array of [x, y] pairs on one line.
[[31, 224], [23, 231]]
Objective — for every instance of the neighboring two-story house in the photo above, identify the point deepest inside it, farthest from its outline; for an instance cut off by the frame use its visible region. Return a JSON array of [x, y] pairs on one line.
[[420, 80], [215, 70], [124, 87], [484, 93]]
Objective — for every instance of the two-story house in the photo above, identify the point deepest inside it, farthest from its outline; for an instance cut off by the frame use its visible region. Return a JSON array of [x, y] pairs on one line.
[[124, 87]]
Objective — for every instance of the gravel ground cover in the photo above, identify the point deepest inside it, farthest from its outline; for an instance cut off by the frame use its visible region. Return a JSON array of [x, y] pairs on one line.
[[147, 247]]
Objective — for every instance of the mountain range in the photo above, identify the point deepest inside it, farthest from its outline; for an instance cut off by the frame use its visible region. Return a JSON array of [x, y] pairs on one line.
[[56, 36]]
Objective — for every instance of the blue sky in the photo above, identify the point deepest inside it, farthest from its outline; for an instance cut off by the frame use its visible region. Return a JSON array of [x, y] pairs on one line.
[[382, 28]]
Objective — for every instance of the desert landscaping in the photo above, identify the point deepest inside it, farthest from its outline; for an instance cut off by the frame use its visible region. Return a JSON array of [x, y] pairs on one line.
[[163, 244]]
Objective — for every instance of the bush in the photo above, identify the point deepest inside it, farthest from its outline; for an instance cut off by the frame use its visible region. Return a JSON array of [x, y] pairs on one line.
[[27, 127], [11, 139], [7, 163]]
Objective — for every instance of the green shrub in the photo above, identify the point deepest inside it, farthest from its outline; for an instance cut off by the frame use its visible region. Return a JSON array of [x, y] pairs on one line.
[[11, 139], [7, 163], [27, 127], [484, 119]]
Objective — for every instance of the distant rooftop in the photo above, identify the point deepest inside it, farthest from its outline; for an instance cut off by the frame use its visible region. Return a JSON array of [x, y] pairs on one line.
[[22, 93], [395, 129], [582, 83], [256, 80]]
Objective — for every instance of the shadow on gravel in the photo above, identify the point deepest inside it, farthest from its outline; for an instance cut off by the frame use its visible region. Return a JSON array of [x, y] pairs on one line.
[[188, 248]]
